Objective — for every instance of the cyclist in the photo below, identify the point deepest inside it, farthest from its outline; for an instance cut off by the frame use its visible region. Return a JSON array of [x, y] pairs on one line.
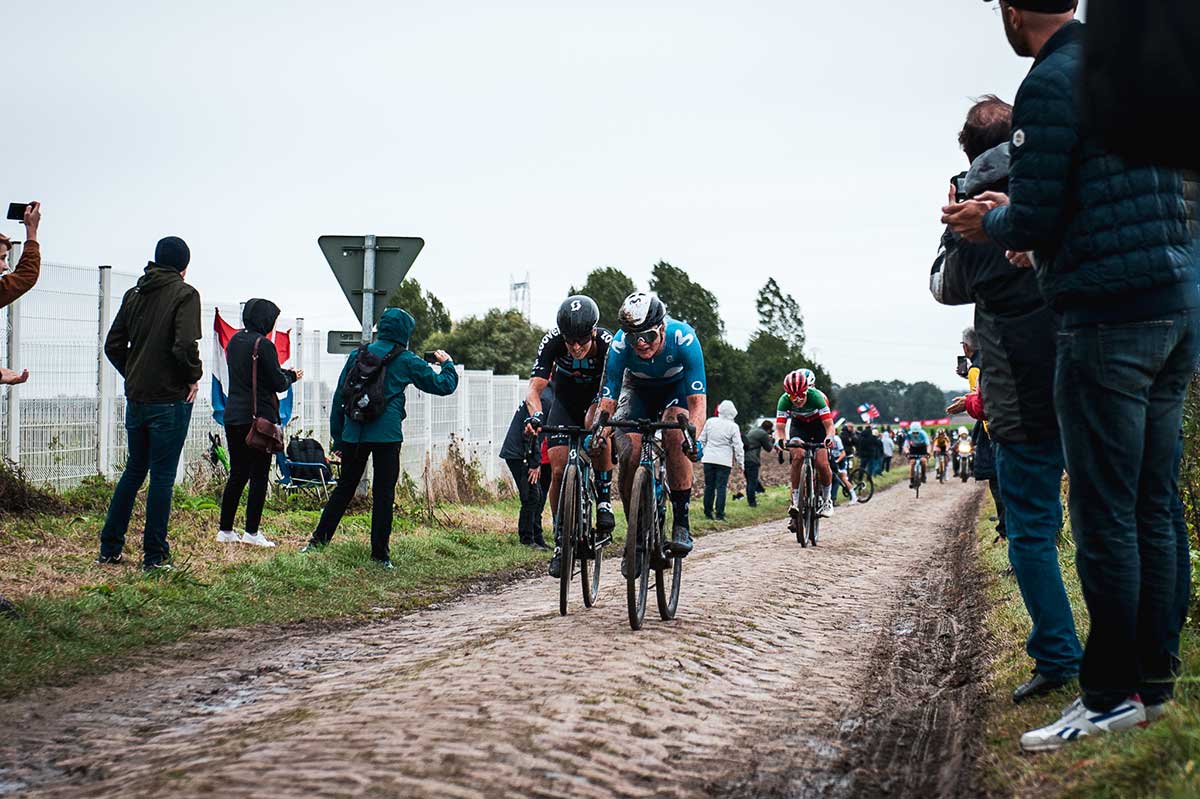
[[941, 445], [665, 364], [572, 357], [916, 446], [807, 408], [840, 463]]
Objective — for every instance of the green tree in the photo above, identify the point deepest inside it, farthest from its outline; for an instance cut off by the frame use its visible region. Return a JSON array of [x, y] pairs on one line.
[[779, 314], [925, 401], [609, 287], [427, 310], [501, 340], [730, 376], [688, 301]]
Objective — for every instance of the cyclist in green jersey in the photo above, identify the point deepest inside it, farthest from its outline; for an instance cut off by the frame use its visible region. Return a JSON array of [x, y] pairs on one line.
[[807, 409]]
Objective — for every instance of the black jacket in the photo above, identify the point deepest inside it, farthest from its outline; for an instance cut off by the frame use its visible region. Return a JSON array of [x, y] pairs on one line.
[[516, 446], [152, 341], [1015, 326], [258, 319]]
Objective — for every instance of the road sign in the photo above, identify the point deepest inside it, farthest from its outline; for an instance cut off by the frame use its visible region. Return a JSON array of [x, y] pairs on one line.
[[343, 342], [369, 269]]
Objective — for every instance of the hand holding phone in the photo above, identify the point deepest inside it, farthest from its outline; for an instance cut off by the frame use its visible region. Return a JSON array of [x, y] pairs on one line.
[[16, 211]]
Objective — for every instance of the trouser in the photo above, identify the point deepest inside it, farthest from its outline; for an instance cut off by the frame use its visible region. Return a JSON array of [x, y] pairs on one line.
[[887, 463], [385, 459], [544, 478], [994, 487], [716, 480], [1119, 391], [1183, 571], [1031, 484], [156, 434], [246, 465], [752, 470], [533, 500]]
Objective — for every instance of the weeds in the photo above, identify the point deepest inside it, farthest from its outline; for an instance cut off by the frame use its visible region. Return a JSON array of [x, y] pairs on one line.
[[19, 496]]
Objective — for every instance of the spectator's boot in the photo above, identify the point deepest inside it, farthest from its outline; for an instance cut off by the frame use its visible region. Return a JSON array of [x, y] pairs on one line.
[[605, 521], [681, 535], [9, 609], [537, 542]]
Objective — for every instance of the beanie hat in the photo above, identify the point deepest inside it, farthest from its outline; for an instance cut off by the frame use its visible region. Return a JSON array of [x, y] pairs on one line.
[[1044, 6], [172, 252]]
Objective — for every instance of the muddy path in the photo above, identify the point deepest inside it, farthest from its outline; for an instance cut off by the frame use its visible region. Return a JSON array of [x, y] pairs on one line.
[[780, 677]]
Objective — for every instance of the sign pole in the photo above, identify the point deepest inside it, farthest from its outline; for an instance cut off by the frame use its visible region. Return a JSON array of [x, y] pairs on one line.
[[368, 315]]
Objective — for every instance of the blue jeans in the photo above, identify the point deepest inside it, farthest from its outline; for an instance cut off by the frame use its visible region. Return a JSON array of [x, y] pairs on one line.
[[716, 481], [1030, 484], [1119, 391], [157, 432]]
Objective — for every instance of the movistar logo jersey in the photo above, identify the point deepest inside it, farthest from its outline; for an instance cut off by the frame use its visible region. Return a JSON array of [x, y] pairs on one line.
[[681, 358]]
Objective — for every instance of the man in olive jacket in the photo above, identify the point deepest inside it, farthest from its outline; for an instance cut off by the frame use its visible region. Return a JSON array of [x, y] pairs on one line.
[[152, 343], [381, 438]]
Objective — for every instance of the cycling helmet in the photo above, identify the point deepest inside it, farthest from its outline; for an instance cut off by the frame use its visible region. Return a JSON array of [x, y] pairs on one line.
[[641, 311], [812, 378], [577, 317], [797, 384]]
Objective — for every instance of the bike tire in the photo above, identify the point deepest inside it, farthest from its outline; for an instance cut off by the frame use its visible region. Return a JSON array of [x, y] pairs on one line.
[[814, 521], [806, 499], [864, 484], [568, 521], [668, 600], [641, 528], [589, 568]]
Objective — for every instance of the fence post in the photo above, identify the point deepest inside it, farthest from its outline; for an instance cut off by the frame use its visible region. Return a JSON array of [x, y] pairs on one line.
[[298, 363], [13, 407], [103, 382]]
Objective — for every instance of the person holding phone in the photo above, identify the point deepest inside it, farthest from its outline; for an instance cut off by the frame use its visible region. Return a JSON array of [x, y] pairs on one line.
[[22, 278]]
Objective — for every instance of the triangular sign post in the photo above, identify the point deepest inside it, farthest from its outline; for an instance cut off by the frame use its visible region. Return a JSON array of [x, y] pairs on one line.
[[369, 268]]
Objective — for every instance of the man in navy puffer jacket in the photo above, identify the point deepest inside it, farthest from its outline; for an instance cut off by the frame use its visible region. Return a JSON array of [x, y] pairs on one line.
[[1115, 249]]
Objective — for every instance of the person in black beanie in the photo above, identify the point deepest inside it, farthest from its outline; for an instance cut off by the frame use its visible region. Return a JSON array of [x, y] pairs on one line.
[[524, 459], [152, 343]]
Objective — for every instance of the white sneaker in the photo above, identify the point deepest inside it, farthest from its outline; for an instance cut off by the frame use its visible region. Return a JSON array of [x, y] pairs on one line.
[[228, 537], [853, 498], [258, 540], [1077, 721], [1155, 712], [826, 509]]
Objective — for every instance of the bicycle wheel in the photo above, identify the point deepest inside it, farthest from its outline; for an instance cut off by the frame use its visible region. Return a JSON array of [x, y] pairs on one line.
[[668, 599], [806, 498], [589, 563], [637, 555], [864, 484], [568, 522]]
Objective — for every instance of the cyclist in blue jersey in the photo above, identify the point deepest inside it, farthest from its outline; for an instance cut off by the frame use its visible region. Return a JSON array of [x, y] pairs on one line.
[[665, 366], [916, 446]]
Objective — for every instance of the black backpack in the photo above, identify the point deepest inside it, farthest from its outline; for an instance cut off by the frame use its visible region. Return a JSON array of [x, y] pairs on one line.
[[308, 451], [365, 391]]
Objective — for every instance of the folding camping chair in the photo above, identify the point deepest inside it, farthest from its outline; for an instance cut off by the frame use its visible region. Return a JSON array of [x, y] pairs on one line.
[[292, 476]]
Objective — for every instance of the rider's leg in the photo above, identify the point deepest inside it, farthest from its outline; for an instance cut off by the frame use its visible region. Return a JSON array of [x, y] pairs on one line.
[[629, 464], [558, 465], [825, 478], [797, 464], [602, 469], [679, 480]]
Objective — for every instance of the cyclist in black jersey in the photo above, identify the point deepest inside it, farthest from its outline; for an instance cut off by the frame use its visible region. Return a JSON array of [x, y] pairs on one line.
[[572, 358]]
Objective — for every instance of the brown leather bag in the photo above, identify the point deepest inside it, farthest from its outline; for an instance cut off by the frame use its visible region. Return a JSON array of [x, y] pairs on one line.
[[265, 435]]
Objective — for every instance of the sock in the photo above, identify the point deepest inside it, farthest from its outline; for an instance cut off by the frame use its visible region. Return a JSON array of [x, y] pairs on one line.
[[603, 487], [679, 505], [828, 490], [796, 497]]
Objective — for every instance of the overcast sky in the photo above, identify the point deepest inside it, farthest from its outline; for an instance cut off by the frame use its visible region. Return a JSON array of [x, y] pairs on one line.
[[811, 142]]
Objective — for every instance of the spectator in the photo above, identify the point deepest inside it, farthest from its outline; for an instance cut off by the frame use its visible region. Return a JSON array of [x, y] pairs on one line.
[[152, 343], [22, 277], [869, 452], [1013, 336], [381, 438], [247, 464], [849, 437], [523, 457], [758, 441], [1115, 253], [888, 447], [722, 442]]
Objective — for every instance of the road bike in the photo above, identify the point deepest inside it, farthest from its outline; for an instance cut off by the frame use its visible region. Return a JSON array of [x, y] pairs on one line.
[[647, 547], [578, 540], [918, 473], [863, 483], [805, 522], [941, 466]]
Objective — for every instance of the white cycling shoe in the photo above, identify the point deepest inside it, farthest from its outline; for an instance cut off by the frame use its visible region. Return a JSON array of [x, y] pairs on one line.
[[228, 537], [1077, 722], [853, 498], [258, 540], [826, 509]]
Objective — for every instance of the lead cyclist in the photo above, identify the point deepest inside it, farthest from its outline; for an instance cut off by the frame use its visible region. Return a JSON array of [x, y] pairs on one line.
[[665, 363]]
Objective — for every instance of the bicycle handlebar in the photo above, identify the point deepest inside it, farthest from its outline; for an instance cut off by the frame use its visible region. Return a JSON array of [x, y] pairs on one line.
[[803, 445]]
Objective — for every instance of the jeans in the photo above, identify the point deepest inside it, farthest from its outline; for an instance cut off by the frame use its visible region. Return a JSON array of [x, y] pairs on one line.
[[1119, 391], [246, 465], [1183, 570], [994, 487], [156, 433], [716, 480], [533, 501], [385, 459], [887, 463], [752, 470], [1031, 484]]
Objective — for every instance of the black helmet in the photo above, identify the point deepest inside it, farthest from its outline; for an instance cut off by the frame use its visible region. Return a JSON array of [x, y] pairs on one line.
[[577, 317], [641, 311]]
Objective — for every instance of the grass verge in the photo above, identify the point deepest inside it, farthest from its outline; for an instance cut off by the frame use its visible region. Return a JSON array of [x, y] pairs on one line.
[[1162, 761]]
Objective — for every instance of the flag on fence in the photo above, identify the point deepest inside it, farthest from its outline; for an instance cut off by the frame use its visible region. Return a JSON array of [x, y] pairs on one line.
[[222, 332]]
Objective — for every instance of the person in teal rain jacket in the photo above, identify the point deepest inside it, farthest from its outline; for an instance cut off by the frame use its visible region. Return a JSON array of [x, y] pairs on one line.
[[381, 437]]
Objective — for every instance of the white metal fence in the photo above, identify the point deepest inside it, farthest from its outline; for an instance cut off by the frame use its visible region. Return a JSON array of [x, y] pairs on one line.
[[67, 422]]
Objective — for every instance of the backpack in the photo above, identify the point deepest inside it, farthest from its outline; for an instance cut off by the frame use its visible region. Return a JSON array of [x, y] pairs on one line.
[[365, 388], [308, 450]]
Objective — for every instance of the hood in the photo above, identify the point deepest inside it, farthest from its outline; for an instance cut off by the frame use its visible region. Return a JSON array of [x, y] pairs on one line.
[[259, 316], [396, 325], [726, 410], [155, 277], [987, 170]]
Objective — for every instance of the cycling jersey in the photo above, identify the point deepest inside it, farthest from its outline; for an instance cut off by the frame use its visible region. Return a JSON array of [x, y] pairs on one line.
[[555, 364], [814, 408], [942, 442], [664, 381], [918, 438]]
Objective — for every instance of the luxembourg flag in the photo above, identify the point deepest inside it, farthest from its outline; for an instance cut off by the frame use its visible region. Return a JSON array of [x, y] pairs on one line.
[[222, 332]]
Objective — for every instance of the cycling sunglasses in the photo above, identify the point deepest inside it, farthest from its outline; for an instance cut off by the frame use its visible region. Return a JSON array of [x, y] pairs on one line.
[[645, 336], [580, 342]]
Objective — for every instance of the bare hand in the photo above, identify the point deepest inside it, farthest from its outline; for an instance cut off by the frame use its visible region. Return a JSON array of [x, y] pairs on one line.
[[995, 198], [958, 406], [193, 390], [534, 476], [441, 355], [1021, 260], [33, 215], [966, 219], [11, 378], [299, 374]]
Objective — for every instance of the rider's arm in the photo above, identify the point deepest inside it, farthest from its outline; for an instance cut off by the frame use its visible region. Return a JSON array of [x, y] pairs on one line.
[[697, 405], [614, 372], [781, 409], [533, 401]]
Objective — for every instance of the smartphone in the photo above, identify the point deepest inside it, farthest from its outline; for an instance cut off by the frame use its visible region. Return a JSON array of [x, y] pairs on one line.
[[963, 366], [431, 357], [959, 194], [16, 211]]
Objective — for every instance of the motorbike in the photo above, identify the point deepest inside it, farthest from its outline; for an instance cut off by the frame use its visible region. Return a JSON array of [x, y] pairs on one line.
[[964, 454]]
